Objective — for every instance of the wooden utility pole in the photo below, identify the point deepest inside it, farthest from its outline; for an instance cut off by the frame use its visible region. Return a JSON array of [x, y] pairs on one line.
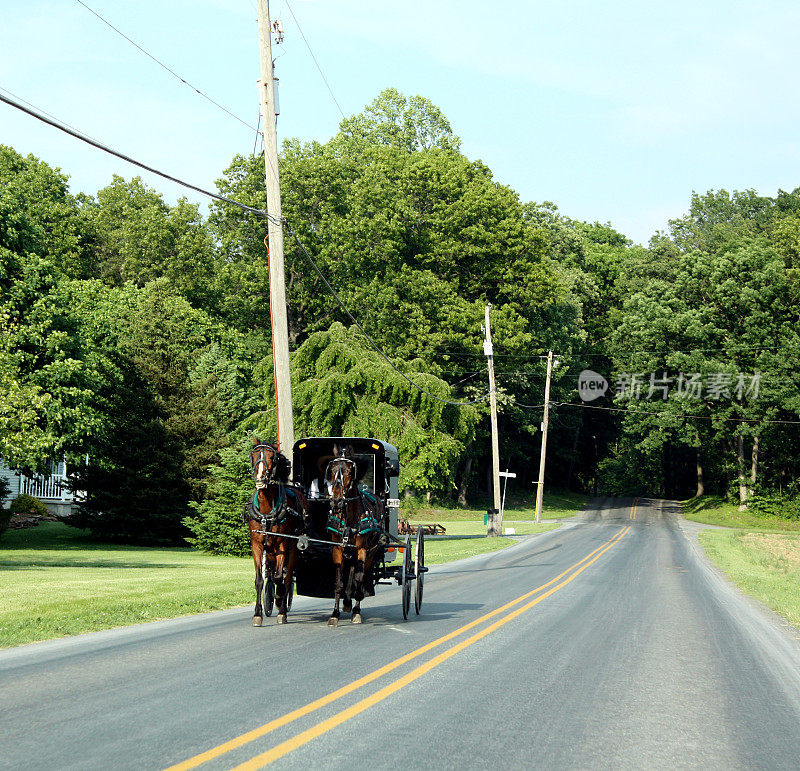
[[543, 454], [494, 523], [277, 276]]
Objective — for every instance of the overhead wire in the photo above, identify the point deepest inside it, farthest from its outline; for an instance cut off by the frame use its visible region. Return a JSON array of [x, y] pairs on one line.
[[322, 74], [677, 415], [35, 112], [164, 66]]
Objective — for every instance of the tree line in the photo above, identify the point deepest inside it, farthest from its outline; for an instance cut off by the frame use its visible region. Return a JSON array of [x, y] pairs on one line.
[[136, 339]]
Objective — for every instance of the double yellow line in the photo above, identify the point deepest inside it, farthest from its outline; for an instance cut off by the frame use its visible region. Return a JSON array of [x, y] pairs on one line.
[[324, 726]]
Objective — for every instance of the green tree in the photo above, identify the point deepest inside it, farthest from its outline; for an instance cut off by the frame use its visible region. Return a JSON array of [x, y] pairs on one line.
[[140, 238]]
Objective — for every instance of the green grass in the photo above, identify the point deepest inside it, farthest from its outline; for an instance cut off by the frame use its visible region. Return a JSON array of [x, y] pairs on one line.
[[765, 566], [473, 527], [556, 505], [58, 582], [712, 510]]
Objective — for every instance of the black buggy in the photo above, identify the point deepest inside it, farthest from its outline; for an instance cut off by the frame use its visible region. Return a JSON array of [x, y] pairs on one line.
[[378, 466]]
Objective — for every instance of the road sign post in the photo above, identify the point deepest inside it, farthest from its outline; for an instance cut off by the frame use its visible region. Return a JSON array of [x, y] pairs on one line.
[[506, 476]]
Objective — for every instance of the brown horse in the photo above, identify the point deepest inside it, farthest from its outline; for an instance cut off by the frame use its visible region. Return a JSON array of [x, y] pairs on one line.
[[354, 525], [276, 508]]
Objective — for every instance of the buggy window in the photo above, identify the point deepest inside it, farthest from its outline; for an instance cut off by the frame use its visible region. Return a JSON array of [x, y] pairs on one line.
[[367, 480]]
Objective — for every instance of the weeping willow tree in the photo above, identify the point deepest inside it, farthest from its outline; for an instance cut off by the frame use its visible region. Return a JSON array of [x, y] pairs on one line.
[[345, 388]]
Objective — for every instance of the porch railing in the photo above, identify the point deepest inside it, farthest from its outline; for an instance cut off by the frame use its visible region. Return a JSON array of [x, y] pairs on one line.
[[54, 487]]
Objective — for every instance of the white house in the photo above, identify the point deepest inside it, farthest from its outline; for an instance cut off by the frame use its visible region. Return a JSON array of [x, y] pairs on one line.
[[51, 488]]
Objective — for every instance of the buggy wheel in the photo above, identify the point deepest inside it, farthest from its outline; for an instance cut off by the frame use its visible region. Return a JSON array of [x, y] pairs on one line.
[[419, 570], [269, 590], [406, 577]]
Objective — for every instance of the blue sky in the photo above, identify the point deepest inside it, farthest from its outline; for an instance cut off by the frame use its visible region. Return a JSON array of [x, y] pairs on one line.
[[615, 111]]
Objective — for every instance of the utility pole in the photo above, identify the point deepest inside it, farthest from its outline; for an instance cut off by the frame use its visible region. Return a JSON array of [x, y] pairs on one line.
[[277, 276], [543, 454], [494, 523]]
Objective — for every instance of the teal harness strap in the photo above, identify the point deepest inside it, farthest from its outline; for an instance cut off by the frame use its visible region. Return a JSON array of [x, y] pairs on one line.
[[280, 508], [368, 522]]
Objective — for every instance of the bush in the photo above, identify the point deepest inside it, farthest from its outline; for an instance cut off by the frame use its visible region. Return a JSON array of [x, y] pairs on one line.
[[776, 505], [27, 504]]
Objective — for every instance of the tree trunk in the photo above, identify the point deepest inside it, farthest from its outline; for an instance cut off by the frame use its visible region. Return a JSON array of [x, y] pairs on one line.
[[754, 464], [699, 464], [462, 487], [744, 492]]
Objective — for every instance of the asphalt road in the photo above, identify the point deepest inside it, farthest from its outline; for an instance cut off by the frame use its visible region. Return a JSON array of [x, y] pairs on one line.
[[624, 649]]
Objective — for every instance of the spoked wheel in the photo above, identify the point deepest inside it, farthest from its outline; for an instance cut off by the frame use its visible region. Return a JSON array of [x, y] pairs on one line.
[[269, 602], [419, 570], [406, 577]]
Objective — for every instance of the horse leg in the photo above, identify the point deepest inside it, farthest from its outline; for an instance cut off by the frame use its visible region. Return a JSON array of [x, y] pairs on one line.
[[290, 559], [338, 584], [358, 580], [283, 576], [257, 547], [347, 602]]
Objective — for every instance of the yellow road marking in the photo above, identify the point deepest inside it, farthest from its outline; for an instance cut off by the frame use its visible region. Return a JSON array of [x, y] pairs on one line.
[[326, 725], [257, 733], [632, 515]]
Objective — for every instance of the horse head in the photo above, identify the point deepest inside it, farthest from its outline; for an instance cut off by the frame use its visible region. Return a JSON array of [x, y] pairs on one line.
[[340, 474], [267, 464]]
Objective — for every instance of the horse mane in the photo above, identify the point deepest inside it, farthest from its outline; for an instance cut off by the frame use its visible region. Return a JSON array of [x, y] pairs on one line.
[[282, 467]]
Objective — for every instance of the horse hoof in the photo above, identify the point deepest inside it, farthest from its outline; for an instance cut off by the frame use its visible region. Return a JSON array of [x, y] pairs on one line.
[[257, 621], [333, 621], [356, 618], [347, 605], [281, 618]]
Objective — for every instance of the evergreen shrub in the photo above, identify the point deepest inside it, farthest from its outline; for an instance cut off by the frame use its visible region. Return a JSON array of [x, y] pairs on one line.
[[217, 524], [27, 504]]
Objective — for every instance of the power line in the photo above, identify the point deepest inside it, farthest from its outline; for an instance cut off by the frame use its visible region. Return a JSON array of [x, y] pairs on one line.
[[677, 415], [44, 112], [164, 66], [55, 123], [322, 74]]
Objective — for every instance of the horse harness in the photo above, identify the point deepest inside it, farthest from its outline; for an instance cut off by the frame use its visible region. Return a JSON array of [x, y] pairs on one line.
[[337, 519], [282, 509]]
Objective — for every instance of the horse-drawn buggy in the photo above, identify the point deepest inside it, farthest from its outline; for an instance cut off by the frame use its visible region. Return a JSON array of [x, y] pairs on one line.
[[332, 529]]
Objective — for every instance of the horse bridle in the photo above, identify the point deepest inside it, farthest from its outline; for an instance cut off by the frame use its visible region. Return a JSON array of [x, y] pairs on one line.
[[338, 505], [262, 480]]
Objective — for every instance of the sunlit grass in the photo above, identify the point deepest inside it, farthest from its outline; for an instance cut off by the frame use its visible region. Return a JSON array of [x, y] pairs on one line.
[[58, 582], [713, 510], [765, 566], [557, 504]]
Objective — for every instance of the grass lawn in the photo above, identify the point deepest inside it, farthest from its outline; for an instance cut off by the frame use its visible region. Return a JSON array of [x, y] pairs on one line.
[[712, 510], [760, 554], [764, 565], [556, 505], [57, 581]]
